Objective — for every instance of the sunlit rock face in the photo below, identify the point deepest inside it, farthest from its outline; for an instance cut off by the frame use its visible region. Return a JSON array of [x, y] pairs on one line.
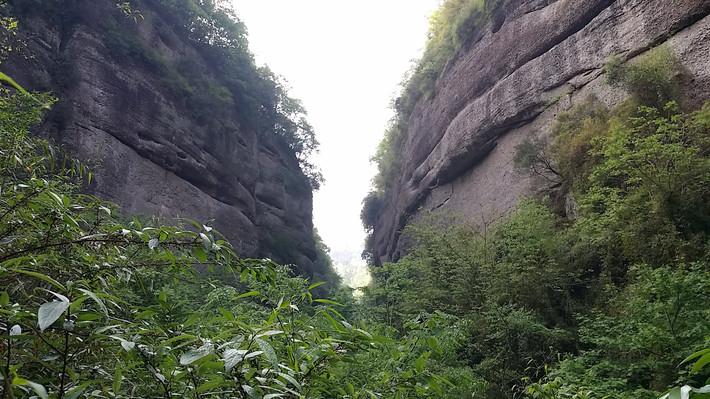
[[151, 153], [532, 60]]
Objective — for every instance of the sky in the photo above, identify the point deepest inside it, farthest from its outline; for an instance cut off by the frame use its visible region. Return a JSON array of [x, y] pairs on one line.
[[344, 60]]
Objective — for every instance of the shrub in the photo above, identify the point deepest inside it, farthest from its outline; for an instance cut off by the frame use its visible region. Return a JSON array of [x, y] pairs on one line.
[[652, 79]]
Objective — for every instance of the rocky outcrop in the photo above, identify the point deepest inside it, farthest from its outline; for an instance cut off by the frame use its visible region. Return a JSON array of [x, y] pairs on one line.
[[150, 152], [532, 60]]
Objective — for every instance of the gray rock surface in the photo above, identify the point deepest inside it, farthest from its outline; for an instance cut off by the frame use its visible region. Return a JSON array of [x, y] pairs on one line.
[[533, 59], [148, 151]]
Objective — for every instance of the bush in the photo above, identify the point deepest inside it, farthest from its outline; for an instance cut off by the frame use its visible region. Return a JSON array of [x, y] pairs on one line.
[[652, 79]]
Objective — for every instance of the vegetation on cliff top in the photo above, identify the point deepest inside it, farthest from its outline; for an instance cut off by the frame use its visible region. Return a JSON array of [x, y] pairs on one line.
[[450, 27], [222, 82]]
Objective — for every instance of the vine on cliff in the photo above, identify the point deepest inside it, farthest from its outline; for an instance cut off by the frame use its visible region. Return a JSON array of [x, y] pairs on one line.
[[450, 27]]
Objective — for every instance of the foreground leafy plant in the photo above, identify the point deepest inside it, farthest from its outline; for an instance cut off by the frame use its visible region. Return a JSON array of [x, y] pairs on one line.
[[95, 305]]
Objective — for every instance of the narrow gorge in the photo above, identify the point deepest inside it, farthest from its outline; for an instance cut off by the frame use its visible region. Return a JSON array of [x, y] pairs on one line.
[[534, 222]]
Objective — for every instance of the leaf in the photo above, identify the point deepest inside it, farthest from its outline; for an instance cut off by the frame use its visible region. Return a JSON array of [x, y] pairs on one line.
[[209, 385], [695, 355], [315, 285], [253, 354], [674, 394], [328, 302], [274, 395], [126, 345], [702, 362], [232, 357], [336, 325], [363, 333], [117, 378], [268, 350], [40, 276], [433, 344], [291, 380], [200, 254], [420, 363], [96, 299], [248, 294], [50, 312], [269, 333], [194, 355], [56, 197], [5, 78], [206, 243], [75, 392], [38, 388], [102, 330], [4, 298]]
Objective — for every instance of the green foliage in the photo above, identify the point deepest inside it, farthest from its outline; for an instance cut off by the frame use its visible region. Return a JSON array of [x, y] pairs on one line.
[[652, 79], [505, 282], [603, 304], [95, 305], [323, 265], [657, 166], [638, 341]]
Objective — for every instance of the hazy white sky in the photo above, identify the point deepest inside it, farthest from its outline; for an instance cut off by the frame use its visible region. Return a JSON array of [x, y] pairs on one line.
[[344, 60]]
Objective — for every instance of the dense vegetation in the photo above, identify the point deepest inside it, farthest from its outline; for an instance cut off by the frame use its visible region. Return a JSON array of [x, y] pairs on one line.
[[599, 288]]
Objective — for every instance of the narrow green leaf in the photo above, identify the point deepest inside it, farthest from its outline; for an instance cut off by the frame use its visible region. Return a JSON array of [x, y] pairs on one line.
[[38, 388], [5, 78], [200, 254], [315, 285], [117, 379], [328, 302], [232, 357], [248, 294], [702, 362], [75, 392], [40, 276], [96, 299], [695, 355], [291, 380]]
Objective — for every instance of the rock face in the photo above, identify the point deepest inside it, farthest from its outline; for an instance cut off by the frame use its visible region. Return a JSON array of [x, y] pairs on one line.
[[150, 153], [532, 60]]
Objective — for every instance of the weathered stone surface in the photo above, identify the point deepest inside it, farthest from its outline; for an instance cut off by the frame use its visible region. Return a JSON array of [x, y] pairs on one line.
[[533, 59], [149, 152]]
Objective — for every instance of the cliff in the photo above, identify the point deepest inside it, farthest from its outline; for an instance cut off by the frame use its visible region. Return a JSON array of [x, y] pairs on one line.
[[156, 141], [529, 61]]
